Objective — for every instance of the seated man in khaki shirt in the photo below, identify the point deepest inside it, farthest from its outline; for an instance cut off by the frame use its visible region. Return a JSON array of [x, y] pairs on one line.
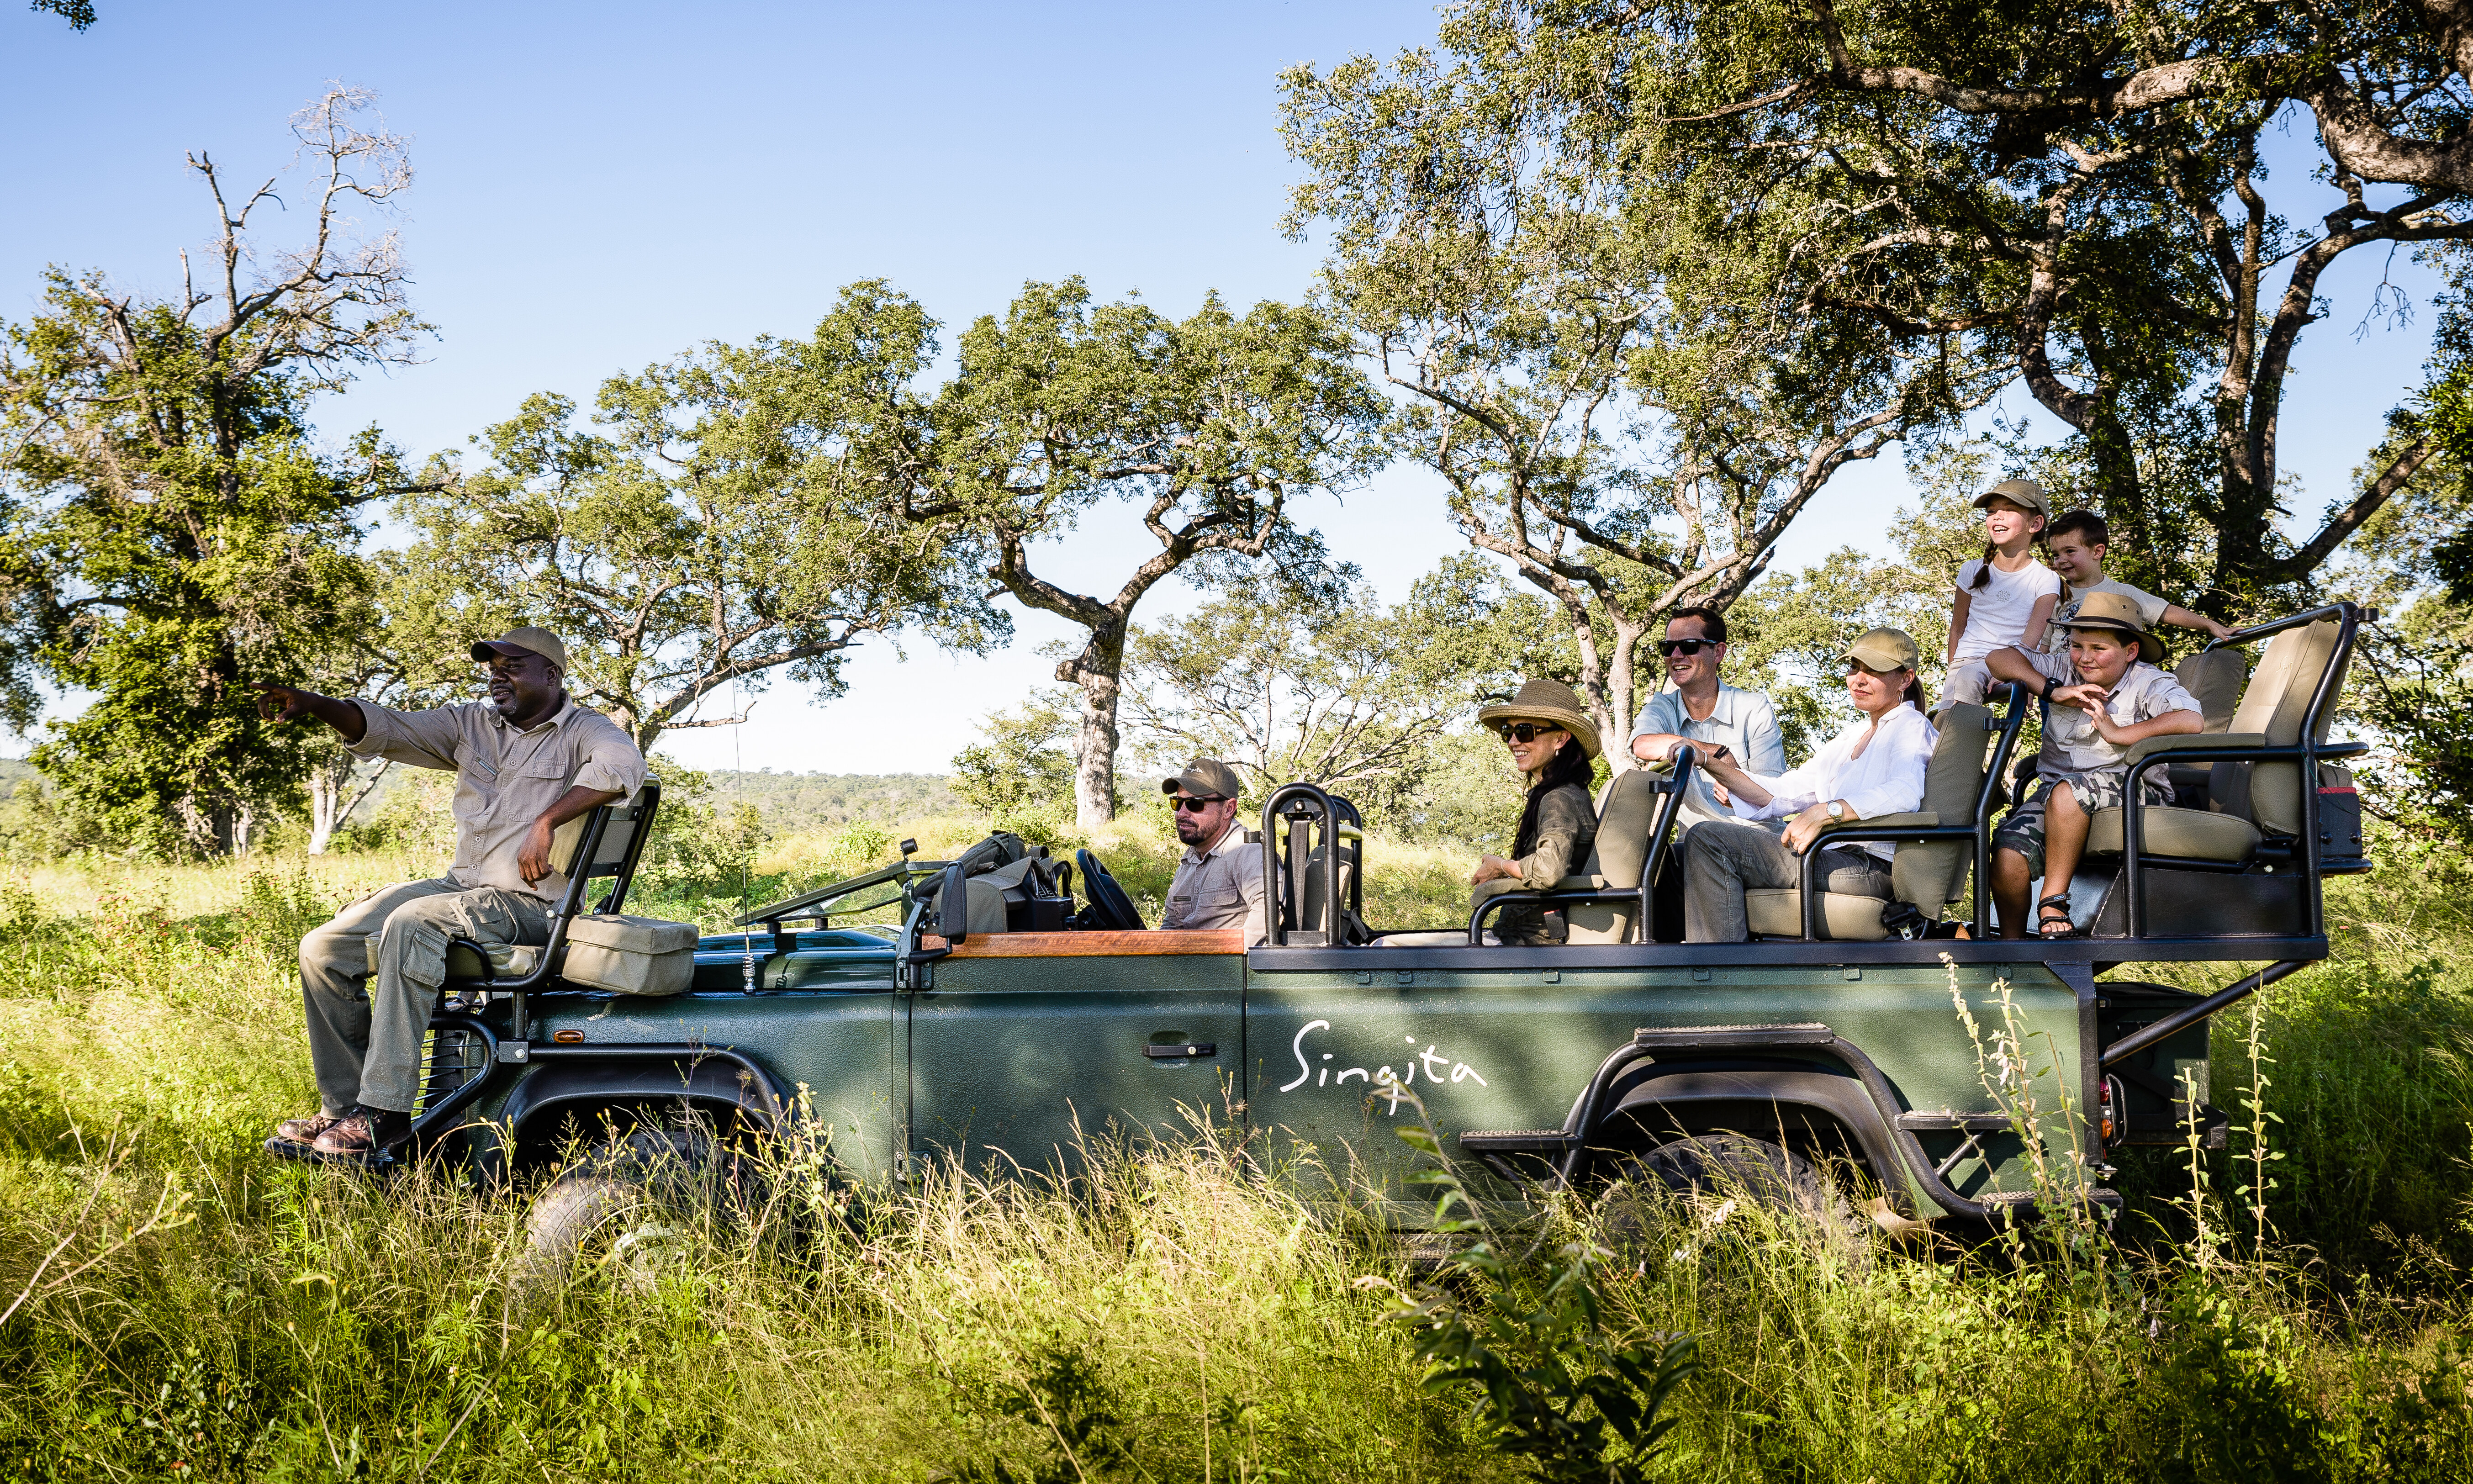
[[526, 762], [1219, 881]]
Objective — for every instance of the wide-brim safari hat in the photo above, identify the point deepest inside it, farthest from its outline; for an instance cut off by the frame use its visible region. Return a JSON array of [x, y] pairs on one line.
[[1546, 701], [2110, 611]]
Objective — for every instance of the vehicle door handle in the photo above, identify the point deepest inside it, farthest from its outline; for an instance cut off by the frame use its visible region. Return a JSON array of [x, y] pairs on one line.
[[1182, 1051]]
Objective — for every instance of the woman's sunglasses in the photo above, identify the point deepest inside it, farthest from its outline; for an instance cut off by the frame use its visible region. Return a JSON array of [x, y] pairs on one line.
[[1521, 731], [1195, 806], [1686, 646]]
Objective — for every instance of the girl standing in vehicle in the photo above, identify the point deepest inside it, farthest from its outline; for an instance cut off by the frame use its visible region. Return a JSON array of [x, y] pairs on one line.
[[2005, 597], [1554, 745]]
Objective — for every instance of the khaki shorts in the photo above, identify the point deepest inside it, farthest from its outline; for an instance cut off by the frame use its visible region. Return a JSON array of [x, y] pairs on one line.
[[2022, 828]]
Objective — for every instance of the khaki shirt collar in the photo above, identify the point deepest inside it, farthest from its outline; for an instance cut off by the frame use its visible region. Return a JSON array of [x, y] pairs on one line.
[[550, 723]]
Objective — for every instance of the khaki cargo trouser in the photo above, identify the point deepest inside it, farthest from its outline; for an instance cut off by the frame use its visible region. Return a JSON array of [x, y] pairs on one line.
[[365, 1040]]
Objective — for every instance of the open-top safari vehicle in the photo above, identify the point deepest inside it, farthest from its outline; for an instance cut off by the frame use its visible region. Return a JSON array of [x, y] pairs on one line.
[[1001, 1019]]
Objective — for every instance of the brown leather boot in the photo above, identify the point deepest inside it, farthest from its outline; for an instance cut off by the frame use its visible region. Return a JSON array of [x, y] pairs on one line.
[[366, 1132], [305, 1131]]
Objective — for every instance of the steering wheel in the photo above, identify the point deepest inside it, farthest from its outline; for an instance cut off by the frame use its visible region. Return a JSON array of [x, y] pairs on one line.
[[1109, 903]]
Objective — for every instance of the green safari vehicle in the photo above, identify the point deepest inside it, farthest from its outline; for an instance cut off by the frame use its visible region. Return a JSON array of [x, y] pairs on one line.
[[1003, 1018]]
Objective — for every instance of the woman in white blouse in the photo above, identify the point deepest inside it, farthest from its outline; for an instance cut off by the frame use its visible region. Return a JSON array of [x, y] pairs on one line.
[[1874, 767]]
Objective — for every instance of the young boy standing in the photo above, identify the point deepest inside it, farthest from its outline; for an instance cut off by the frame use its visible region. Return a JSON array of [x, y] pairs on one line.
[[2107, 695], [2078, 542]]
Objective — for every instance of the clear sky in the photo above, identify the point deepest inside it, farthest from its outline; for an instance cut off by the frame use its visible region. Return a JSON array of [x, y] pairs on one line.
[[600, 186]]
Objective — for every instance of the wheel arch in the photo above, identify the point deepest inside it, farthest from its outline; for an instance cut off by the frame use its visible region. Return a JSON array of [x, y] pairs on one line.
[[629, 1091], [1680, 1098]]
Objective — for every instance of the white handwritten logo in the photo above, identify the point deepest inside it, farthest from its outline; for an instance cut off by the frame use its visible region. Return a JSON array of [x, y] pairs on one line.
[[1388, 1082]]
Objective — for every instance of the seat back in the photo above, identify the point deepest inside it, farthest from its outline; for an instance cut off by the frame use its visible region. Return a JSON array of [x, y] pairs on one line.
[[1929, 873], [1625, 815], [2268, 795], [2214, 677]]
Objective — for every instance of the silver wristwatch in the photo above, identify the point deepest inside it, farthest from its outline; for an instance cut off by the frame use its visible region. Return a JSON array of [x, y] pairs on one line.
[[1837, 808]]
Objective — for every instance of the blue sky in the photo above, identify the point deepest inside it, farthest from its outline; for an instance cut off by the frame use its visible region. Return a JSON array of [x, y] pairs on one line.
[[601, 186]]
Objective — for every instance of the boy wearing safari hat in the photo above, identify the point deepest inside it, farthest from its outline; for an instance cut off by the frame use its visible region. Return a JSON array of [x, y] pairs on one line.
[[2107, 695]]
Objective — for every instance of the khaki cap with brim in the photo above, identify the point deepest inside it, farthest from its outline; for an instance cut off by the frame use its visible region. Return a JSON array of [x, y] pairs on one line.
[[2024, 492], [523, 641], [1546, 701], [1206, 778], [1886, 649], [2114, 613]]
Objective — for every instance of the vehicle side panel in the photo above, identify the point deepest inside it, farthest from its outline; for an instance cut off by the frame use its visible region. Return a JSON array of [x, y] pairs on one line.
[[836, 1051], [1514, 1049], [1023, 1057]]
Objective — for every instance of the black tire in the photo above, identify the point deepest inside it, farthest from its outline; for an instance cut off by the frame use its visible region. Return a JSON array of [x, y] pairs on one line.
[[628, 1212], [1709, 1170]]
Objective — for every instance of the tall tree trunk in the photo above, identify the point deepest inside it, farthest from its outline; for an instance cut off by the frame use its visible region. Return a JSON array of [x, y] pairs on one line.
[[334, 793], [1098, 671]]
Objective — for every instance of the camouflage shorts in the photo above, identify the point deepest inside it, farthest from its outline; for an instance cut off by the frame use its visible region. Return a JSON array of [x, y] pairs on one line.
[[2022, 828]]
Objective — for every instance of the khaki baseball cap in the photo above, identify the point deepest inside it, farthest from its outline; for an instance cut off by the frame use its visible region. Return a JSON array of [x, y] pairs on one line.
[[1206, 778], [524, 641], [2018, 492], [1884, 649], [2114, 613]]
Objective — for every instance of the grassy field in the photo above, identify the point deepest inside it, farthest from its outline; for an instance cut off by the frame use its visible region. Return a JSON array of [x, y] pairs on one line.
[[184, 1308]]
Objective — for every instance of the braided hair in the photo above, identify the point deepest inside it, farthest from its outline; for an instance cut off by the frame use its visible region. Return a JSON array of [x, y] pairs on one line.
[[1570, 764]]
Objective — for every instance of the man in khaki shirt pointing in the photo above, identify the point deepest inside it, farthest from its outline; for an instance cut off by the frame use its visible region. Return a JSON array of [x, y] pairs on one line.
[[526, 762]]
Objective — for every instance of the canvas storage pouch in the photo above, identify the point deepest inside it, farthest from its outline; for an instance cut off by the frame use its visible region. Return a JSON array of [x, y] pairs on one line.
[[630, 955]]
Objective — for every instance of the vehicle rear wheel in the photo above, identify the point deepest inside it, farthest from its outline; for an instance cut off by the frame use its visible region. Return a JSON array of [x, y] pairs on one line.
[[1718, 1173]]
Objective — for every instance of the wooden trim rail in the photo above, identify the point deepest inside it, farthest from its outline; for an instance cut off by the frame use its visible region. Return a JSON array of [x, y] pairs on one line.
[[1163, 942]]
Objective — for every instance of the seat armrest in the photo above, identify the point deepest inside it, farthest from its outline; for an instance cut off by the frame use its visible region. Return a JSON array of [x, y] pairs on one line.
[[1581, 884], [2143, 750], [1921, 819]]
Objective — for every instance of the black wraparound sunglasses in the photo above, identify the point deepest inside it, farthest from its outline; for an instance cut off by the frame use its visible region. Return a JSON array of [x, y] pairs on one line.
[[1197, 805], [1521, 731], [1686, 646]]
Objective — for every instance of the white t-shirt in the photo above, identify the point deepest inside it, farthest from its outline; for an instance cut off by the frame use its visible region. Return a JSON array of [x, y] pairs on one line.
[[1888, 778], [1996, 613]]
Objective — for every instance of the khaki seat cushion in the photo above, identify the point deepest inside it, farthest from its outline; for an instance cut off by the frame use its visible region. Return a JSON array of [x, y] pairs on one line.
[[2195, 834], [1929, 874], [630, 955], [507, 960], [1625, 815], [1843, 916], [2216, 678], [2277, 700]]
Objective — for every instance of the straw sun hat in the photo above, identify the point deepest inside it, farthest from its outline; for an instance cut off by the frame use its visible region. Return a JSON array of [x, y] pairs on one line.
[[1546, 701]]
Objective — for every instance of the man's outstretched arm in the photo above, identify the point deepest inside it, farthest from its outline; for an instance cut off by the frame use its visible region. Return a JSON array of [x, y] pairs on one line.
[[289, 704]]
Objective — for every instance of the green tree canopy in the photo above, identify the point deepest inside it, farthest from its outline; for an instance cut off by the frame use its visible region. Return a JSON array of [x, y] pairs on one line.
[[173, 527], [1628, 400], [1205, 429], [741, 516]]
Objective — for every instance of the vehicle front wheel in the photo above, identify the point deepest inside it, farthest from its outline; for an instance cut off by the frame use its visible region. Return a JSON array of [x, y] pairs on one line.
[[634, 1210]]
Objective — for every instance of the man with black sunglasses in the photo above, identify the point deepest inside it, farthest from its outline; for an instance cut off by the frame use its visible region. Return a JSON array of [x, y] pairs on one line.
[[1219, 881], [1739, 724]]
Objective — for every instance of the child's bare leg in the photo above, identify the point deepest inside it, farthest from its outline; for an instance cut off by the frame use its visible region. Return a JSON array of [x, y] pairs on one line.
[[2009, 886], [2065, 836]]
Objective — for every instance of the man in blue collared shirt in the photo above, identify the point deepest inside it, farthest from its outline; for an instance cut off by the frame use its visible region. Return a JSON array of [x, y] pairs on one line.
[[1700, 710]]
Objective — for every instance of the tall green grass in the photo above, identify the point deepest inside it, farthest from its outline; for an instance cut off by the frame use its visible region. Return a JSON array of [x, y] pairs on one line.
[[193, 1311]]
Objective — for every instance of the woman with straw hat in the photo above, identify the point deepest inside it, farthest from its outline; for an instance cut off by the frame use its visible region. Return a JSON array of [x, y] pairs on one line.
[[1554, 745]]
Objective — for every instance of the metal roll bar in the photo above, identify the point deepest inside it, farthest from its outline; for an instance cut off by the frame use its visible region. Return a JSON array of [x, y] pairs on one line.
[[2307, 752], [1274, 915]]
